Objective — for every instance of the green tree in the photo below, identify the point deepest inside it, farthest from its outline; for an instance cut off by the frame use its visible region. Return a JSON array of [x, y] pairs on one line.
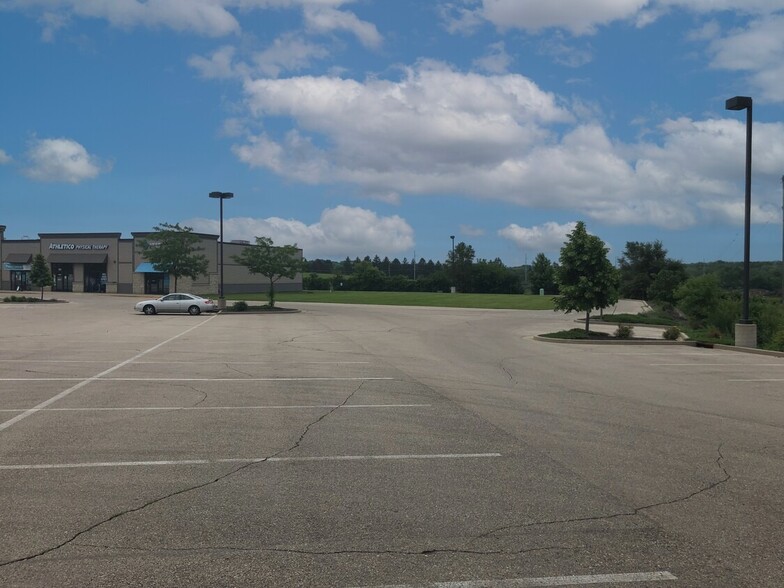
[[542, 275], [641, 265], [460, 262], [172, 250], [585, 276], [493, 277], [40, 274], [699, 298], [273, 262], [367, 277]]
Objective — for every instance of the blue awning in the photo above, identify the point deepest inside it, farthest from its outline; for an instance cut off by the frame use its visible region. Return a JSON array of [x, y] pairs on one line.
[[146, 268]]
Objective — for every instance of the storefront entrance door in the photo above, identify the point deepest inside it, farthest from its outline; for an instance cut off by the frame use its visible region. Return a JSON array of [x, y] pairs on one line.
[[63, 277]]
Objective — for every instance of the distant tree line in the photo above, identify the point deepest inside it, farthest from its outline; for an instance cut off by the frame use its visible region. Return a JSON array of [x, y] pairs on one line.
[[460, 270]]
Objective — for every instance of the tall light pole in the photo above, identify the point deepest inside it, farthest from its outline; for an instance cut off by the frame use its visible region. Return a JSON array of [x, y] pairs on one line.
[[2, 237], [454, 269], [221, 196], [747, 330], [782, 238]]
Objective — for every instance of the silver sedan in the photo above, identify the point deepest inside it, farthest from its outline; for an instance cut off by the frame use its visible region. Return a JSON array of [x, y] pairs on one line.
[[177, 302]]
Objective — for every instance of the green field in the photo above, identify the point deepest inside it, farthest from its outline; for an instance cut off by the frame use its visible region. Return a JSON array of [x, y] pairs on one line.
[[508, 301]]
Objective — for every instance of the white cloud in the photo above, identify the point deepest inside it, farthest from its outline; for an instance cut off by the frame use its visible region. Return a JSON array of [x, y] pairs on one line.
[[584, 17], [288, 53], [324, 19], [206, 17], [500, 137], [546, 238], [577, 16], [757, 49], [390, 136], [219, 65], [470, 231], [62, 160], [565, 53], [734, 213], [496, 61], [212, 18], [5, 158], [341, 231], [51, 23]]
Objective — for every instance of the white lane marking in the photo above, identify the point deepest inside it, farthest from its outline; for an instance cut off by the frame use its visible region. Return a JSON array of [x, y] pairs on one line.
[[263, 407], [228, 361], [86, 381], [551, 581], [98, 377], [760, 380], [107, 464], [717, 364]]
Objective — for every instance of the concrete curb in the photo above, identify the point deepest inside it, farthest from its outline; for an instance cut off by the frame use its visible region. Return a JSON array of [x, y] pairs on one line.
[[613, 341], [700, 344]]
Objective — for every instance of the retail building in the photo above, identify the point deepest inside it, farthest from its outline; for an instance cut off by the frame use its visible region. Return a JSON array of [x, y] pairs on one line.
[[106, 262]]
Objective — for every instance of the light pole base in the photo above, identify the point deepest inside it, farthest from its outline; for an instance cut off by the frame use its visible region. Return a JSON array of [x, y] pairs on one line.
[[221, 304], [745, 335]]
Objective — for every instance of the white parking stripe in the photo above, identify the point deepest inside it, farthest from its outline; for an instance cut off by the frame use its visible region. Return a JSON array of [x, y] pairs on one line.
[[86, 381], [269, 407], [115, 464], [760, 380], [713, 365], [551, 581], [99, 377], [228, 361]]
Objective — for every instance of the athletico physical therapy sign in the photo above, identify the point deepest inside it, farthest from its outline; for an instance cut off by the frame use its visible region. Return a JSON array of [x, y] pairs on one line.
[[77, 247]]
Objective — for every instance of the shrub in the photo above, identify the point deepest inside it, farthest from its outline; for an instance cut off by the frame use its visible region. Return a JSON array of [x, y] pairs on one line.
[[714, 333], [777, 342], [725, 313], [624, 332], [671, 333], [239, 306]]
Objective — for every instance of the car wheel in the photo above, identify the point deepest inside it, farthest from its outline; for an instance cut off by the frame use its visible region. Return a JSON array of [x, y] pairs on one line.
[[194, 310], [149, 309]]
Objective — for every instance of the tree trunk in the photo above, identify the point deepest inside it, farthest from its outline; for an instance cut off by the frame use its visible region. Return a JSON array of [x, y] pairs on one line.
[[272, 294], [42, 293], [587, 321]]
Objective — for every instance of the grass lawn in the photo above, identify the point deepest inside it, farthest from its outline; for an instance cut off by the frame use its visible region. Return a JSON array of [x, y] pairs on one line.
[[507, 301]]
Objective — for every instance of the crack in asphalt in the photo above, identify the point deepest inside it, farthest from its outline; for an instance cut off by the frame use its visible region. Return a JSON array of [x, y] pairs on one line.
[[506, 371], [150, 503], [232, 368], [404, 552], [632, 513]]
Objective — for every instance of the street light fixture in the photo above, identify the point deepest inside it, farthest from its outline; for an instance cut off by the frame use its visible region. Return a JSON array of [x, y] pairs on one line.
[[221, 196], [746, 335]]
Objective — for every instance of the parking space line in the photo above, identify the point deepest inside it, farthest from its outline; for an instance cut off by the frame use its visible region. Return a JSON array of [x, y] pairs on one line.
[[760, 380], [262, 407], [228, 361], [551, 581], [167, 462], [85, 381], [712, 364], [102, 379]]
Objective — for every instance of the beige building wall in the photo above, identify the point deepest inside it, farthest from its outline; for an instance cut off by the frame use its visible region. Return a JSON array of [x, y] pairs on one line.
[[118, 259]]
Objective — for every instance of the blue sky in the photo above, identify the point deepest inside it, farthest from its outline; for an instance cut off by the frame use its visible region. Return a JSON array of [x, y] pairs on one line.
[[364, 127]]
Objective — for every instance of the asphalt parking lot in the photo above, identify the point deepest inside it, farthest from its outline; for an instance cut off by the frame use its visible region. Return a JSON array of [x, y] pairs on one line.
[[378, 446]]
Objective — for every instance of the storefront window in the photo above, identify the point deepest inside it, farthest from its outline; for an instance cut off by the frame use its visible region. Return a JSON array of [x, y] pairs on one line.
[[156, 283], [95, 277], [20, 280]]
